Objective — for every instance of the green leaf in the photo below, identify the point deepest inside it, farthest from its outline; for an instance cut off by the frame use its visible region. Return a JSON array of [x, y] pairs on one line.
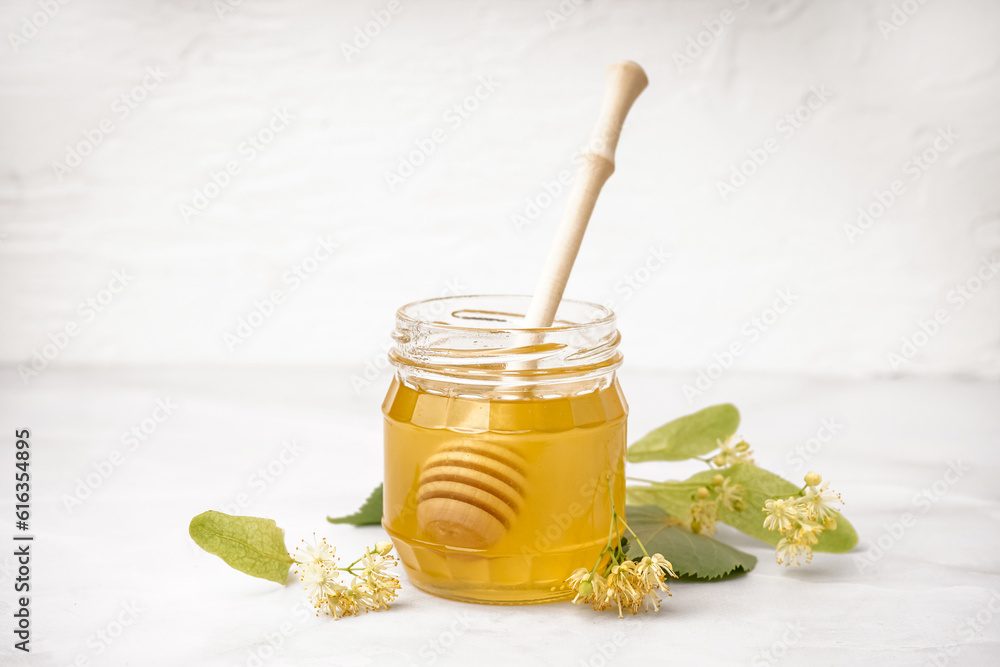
[[761, 485], [249, 544], [691, 555], [673, 497], [687, 437], [369, 514]]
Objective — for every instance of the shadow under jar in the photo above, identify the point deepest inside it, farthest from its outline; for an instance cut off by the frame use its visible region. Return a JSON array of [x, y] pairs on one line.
[[502, 445]]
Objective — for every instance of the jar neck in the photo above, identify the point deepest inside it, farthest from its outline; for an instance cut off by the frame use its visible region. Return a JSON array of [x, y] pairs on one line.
[[477, 345]]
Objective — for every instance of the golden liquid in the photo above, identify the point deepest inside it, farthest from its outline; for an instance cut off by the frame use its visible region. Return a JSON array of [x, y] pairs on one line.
[[570, 446]]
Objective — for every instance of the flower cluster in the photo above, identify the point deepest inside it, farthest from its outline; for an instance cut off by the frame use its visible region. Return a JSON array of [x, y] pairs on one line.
[[626, 585], [801, 518], [731, 453], [618, 581], [371, 587], [705, 509]]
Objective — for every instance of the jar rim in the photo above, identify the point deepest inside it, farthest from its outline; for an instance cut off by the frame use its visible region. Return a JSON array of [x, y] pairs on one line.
[[605, 315], [477, 340]]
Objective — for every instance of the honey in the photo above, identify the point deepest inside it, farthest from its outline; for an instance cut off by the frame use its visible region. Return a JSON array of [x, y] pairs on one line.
[[499, 449]]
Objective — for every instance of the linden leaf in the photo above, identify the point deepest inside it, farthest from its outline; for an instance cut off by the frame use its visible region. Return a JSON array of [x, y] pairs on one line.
[[761, 485], [673, 497], [692, 555], [249, 544], [687, 437], [369, 514]]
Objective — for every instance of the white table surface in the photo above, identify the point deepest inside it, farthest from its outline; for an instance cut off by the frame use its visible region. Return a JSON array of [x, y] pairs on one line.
[[126, 547]]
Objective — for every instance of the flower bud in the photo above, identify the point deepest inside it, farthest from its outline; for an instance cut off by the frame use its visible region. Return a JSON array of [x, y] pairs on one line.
[[718, 480], [719, 460], [742, 446], [813, 478], [383, 548], [702, 493]]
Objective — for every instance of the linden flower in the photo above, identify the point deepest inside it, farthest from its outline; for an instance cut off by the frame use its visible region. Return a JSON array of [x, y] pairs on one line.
[[730, 453], [658, 561], [704, 515], [782, 515], [801, 519], [731, 495], [625, 588], [788, 551], [617, 580], [320, 583], [372, 588], [379, 587], [318, 552], [652, 570], [344, 603], [821, 503], [590, 588], [808, 532]]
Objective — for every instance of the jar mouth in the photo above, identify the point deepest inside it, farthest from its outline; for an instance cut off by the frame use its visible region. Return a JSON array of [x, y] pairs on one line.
[[468, 313], [481, 340]]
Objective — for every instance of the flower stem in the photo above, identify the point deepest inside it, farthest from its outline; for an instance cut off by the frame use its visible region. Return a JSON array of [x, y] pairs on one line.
[[638, 541]]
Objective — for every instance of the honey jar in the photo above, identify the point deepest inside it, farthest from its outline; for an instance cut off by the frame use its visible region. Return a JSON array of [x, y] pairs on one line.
[[504, 446]]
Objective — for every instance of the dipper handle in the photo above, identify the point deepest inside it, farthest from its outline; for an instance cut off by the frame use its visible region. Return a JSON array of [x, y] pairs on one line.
[[623, 81]]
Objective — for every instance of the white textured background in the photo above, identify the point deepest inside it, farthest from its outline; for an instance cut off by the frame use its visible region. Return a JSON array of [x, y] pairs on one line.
[[113, 534], [450, 224]]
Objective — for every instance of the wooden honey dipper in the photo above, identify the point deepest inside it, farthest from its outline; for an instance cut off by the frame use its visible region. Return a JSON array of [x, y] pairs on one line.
[[471, 491]]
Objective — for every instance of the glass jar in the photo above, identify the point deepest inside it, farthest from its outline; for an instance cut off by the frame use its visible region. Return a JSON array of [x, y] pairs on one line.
[[502, 445]]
